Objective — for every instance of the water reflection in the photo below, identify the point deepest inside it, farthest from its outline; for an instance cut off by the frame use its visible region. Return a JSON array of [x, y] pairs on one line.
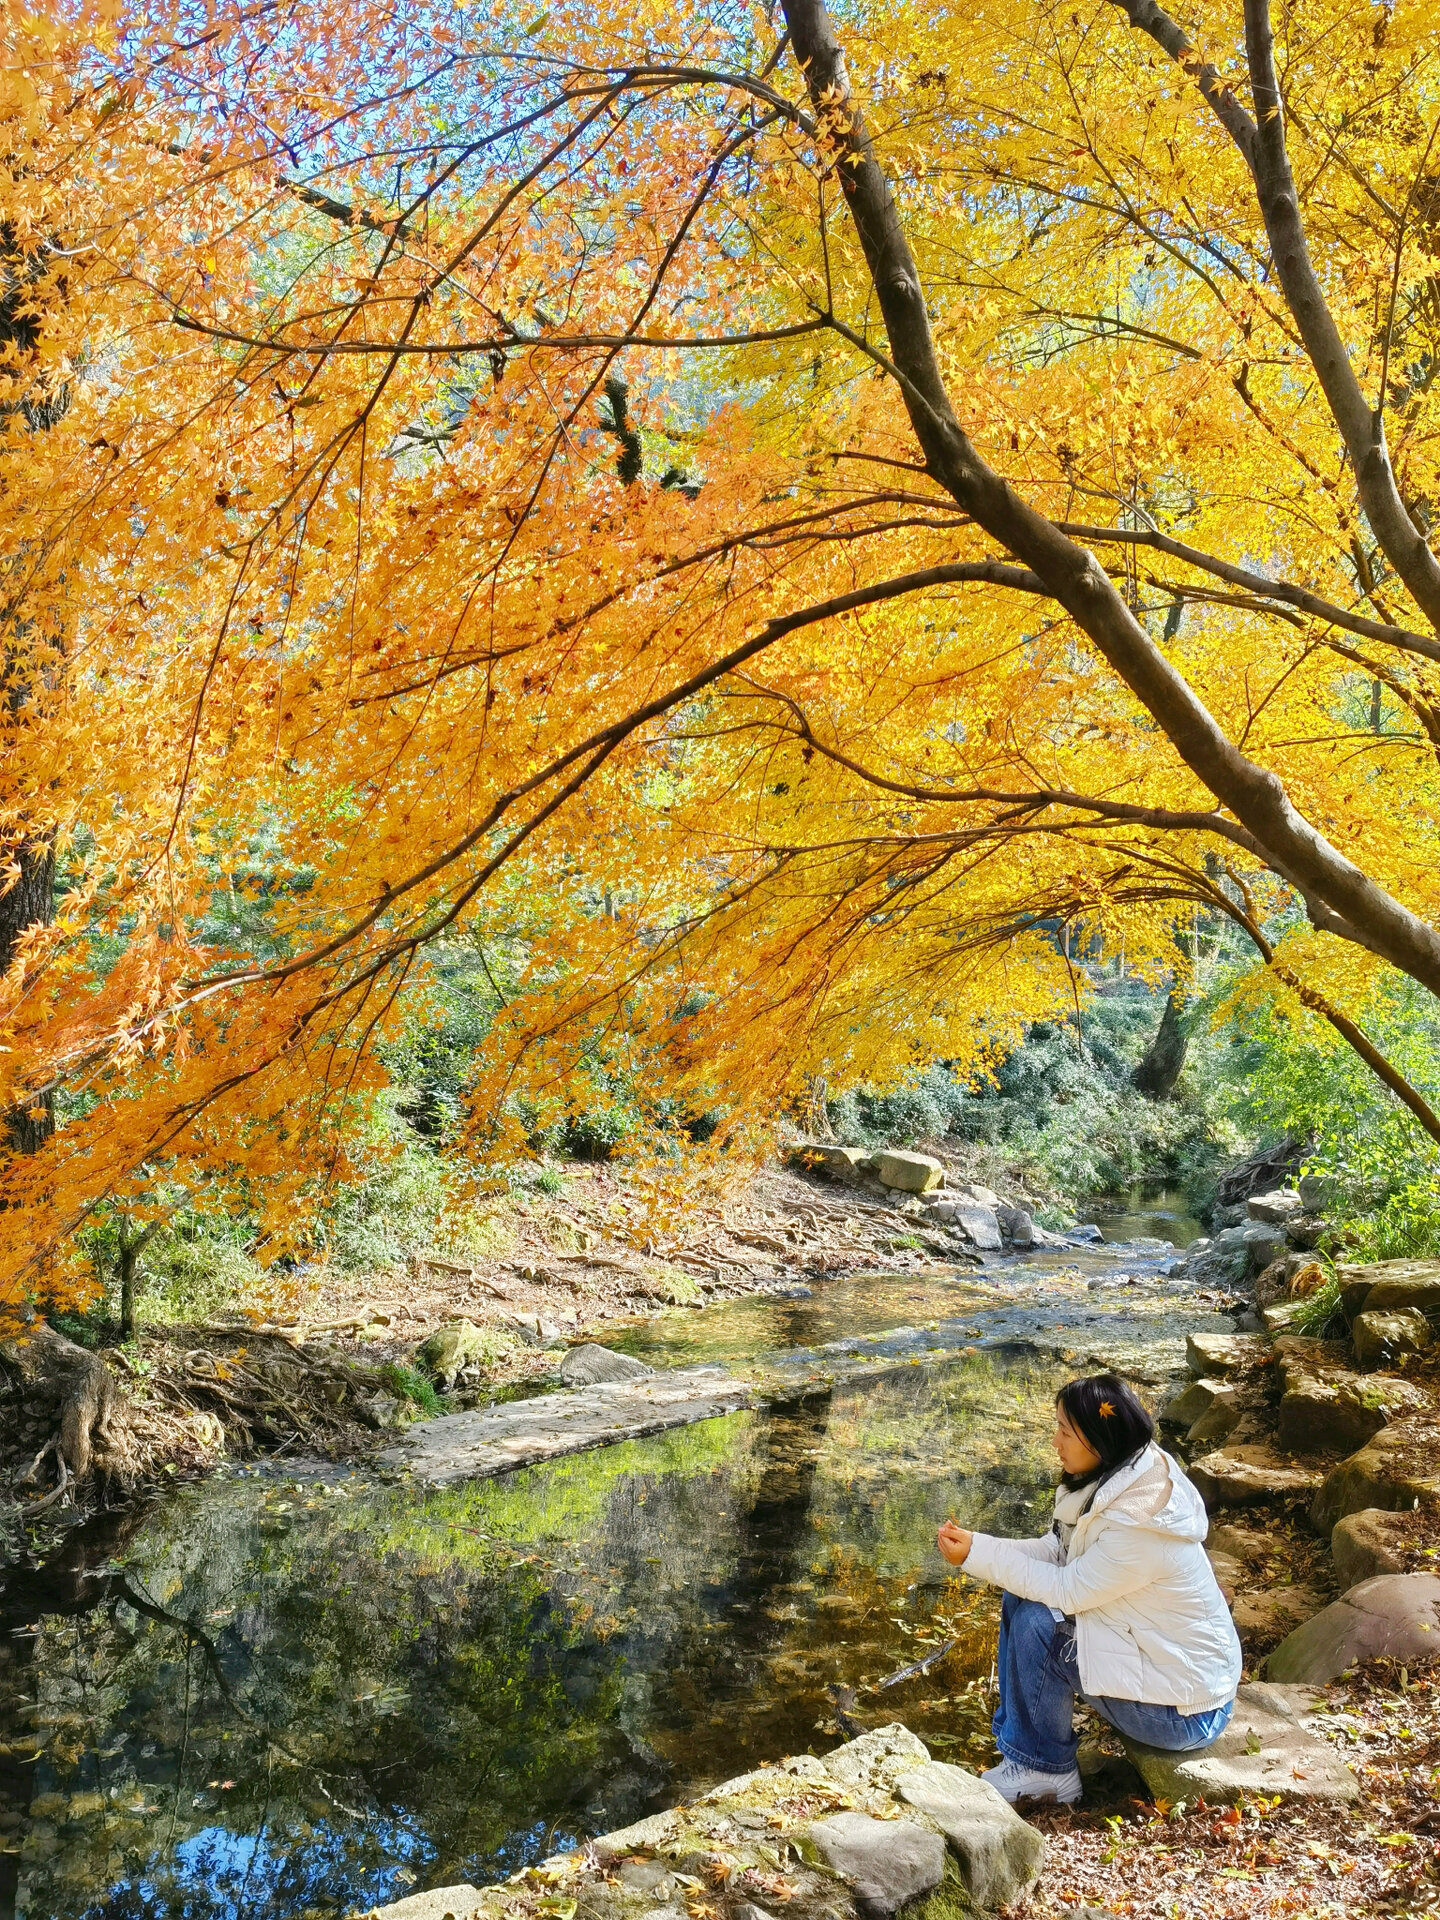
[[294, 1698]]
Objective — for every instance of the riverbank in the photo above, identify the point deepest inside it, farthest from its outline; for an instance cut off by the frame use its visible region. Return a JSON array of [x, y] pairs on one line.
[[332, 1363]]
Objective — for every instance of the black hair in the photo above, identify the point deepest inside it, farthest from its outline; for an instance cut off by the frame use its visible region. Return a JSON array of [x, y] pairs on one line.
[[1106, 1413]]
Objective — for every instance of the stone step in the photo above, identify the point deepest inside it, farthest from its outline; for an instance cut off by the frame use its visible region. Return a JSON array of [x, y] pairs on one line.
[[1267, 1748], [491, 1440]]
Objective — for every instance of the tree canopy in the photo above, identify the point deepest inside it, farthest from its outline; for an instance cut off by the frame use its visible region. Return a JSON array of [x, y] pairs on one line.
[[791, 522]]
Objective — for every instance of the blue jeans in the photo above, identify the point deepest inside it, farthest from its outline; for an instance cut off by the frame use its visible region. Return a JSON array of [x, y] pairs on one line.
[[1039, 1679]]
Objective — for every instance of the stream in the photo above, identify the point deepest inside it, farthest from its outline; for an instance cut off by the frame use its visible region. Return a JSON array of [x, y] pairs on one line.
[[295, 1691]]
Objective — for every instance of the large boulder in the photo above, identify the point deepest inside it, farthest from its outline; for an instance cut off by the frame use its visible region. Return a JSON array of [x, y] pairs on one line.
[[1217, 1423], [1393, 1283], [1275, 1208], [1265, 1749], [1367, 1543], [888, 1863], [909, 1172], [1324, 1408], [1397, 1470], [875, 1761], [979, 1225], [592, 1366], [1017, 1225], [1396, 1614], [999, 1854], [449, 1350], [1383, 1335]]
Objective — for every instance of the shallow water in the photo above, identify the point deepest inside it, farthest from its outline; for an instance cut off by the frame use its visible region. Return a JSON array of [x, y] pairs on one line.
[[294, 1695]]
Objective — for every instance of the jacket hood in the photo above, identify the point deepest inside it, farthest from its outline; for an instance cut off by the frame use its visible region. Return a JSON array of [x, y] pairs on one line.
[[1152, 1492]]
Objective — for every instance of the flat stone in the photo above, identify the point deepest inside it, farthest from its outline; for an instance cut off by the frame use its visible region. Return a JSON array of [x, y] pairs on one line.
[[1251, 1476], [1275, 1208], [1000, 1855], [1397, 1283], [1265, 1749], [491, 1440], [1367, 1543], [592, 1366], [980, 1226], [1382, 1335], [1396, 1470], [1395, 1613], [459, 1902], [876, 1759], [1183, 1409], [909, 1172], [1212, 1353], [888, 1863], [979, 1196]]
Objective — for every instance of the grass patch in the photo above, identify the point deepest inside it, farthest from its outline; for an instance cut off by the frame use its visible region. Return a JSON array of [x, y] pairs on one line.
[[413, 1386]]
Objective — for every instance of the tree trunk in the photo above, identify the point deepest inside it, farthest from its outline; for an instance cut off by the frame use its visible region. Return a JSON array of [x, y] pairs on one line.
[[1159, 1070], [73, 1392], [29, 903]]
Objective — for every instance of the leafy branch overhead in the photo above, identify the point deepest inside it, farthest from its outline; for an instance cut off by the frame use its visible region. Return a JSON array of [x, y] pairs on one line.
[[792, 528]]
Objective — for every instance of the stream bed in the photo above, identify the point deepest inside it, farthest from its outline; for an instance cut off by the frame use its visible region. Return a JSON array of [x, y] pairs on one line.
[[293, 1691]]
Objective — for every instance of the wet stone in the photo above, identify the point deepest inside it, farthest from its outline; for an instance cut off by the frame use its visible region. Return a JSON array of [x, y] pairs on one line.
[[888, 1863]]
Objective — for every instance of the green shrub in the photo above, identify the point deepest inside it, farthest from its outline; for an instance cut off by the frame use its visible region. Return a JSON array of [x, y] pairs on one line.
[[413, 1386], [1405, 1227]]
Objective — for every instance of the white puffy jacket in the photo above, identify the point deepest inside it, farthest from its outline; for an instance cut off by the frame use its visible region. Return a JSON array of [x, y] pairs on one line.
[[1150, 1622]]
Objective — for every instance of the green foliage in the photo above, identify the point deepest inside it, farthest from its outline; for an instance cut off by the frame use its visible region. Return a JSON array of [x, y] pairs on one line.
[[1286, 1072], [1405, 1227], [550, 1180], [1319, 1313], [1063, 1102]]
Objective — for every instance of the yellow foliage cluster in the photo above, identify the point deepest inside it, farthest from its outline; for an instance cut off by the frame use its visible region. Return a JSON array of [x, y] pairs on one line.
[[468, 476]]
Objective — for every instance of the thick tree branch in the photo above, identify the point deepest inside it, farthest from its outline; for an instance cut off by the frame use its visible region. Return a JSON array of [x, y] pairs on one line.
[[1262, 142], [1256, 796]]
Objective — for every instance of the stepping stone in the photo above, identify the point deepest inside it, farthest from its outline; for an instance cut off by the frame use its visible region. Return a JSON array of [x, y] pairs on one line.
[[1326, 1408], [1251, 1476], [888, 1863], [1395, 1613], [1395, 1470], [1265, 1749], [1000, 1855], [491, 1440]]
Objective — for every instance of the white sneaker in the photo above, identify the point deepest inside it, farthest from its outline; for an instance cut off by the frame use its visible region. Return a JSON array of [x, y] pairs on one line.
[[1015, 1782]]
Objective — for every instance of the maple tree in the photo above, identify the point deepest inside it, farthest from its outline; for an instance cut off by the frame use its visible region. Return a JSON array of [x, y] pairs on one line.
[[769, 514]]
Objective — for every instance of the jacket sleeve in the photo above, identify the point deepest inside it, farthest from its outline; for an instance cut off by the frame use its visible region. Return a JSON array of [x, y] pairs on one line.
[[1121, 1561], [1046, 1547]]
